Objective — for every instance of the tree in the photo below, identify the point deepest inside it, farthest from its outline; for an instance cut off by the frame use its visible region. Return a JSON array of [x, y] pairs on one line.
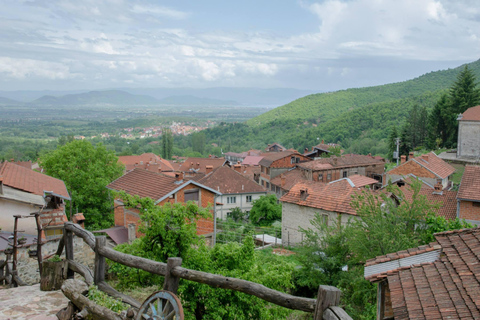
[[266, 210], [86, 171], [437, 123], [198, 142], [167, 144], [392, 142]]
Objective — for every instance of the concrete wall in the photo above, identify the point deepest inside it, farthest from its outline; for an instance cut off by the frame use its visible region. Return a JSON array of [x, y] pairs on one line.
[[28, 267], [10, 208], [241, 202], [295, 217], [468, 145]]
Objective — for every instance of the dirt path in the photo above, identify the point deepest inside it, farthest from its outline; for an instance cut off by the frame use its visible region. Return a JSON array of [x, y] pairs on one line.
[[30, 303]]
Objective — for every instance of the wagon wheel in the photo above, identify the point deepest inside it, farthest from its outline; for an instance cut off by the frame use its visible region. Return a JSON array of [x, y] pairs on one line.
[[161, 305]]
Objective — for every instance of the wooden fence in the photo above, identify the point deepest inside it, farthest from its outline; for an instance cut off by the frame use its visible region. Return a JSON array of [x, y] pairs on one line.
[[324, 307]]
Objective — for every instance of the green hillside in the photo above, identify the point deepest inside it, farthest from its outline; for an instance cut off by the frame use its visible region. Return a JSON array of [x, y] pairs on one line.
[[358, 119], [322, 107]]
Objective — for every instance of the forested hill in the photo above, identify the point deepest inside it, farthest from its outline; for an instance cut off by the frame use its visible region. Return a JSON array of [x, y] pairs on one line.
[[322, 107], [358, 119]]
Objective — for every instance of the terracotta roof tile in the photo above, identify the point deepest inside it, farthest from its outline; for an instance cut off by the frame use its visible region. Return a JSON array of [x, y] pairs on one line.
[[361, 181], [21, 178], [149, 161], [335, 196], [470, 185], [200, 164], [447, 288], [434, 164], [270, 157], [228, 181], [471, 114], [252, 160], [291, 178], [349, 160], [144, 184]]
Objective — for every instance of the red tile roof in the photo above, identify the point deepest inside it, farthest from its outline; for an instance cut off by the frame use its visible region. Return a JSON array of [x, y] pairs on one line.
[[471, 114], [470, 185], [335, 196], [144, 184], [199, 164], [149, 161], [361, 181], [351, 160], [448, 288], [21, 178], [252, 160], [291, 178], [435, 165], [228, 181], [447, 199], [271, 157]]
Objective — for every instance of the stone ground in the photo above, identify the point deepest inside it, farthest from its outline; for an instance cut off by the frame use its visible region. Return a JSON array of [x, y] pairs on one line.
[[30, 303]]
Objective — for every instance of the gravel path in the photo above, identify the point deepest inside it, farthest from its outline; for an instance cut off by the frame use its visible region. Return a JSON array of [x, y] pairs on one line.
[[30, 303]]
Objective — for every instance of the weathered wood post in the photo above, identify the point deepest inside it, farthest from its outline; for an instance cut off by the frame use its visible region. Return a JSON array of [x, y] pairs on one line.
[[171, 282], [2, 275], [327, 296], [68, 240], [99, 275]]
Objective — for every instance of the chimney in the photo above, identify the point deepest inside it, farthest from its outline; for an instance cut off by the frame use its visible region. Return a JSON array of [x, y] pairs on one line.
[[425, 157], [191, 164], [323, 141], [335, 161], [306, 150], [248, 153], [179, 177], [403, 159], [303, 194], [438, 188], [238, 168], [208, 169], [198, 165], [131, 233], [410, 155], [282, 177]]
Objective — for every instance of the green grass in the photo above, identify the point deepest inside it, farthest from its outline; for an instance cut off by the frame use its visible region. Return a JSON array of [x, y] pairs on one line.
[[457, 176]]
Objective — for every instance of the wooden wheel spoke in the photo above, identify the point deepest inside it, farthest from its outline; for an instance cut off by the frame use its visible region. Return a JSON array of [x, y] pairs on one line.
[[161, 305]]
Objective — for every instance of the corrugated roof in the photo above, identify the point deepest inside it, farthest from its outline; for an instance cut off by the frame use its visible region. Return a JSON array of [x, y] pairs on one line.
[[470, 185], [228, 181], [471, 114], [21, 178]]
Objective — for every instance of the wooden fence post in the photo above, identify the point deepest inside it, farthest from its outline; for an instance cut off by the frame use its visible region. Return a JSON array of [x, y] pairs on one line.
[[2, 267], [171, 282], [69, 250], [99, 275], [327, 296]]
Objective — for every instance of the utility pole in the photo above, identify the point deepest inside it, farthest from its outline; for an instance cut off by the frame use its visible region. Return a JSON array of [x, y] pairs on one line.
[[397, 142]]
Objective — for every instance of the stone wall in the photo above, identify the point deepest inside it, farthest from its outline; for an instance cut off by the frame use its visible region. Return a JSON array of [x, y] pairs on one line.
[[28, 267]]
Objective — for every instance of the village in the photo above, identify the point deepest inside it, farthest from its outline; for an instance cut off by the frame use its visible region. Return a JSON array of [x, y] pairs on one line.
[[318, 183]]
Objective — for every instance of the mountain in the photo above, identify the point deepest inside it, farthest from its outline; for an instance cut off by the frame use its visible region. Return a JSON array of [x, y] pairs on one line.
[[359, 119], [9, 102], [195, 101], [97, 98]]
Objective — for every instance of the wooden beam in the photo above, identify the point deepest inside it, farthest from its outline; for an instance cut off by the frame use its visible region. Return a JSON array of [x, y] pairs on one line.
[[99, 274], [171, 282], [68, 235], [327, 296]]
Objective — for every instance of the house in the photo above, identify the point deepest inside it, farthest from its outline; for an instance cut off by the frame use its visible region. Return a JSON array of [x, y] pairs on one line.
[[446, 199], [320, 150], [468, 196], [435, 281], [275, 147], [162, 189], [236, 190], [198, 167], [331, 200], [24, 191], [275, 163], [282, 183], [252, 160], [147, 161], [427, 167], [234, 157], [334, 168], [468, 145]]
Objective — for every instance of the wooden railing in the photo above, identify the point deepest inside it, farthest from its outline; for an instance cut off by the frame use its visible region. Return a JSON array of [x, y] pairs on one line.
[[324, 307]]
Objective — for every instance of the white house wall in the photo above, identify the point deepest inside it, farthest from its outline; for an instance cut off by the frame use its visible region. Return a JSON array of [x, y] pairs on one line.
[[241, 202], [8, 209]]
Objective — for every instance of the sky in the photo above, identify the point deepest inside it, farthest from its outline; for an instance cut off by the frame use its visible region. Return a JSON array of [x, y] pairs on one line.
[[315, 45]]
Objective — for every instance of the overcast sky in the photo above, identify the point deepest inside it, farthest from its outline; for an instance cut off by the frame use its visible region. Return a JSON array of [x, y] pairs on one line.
[[318, 45]]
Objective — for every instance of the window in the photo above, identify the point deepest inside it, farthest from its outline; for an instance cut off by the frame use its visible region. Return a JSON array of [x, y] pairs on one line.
[[297, 160], [344, 174], [476, 204], [329, 177], [192, 195], [292, 160], [231, 199], [320, 176], [249, 199], [325, 219], [267, 185]]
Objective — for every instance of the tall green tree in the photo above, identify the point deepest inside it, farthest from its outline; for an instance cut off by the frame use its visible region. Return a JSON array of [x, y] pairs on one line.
[[437, 123], [86, 171], [198, 142], [266, 210]]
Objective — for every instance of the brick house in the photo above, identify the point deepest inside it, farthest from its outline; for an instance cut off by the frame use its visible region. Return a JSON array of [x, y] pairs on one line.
[[282, 183], [236, 190], [24, 191], [162, 189], [198, 167], [331, 200], [427, 167], [468, 196], [275, 163], [435, 281], [147, 161], [334, 168], [468, 143]]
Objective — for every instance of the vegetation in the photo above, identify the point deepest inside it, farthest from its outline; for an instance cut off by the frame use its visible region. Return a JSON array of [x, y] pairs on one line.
[[266, 210], [86, 171], [104, 300]]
